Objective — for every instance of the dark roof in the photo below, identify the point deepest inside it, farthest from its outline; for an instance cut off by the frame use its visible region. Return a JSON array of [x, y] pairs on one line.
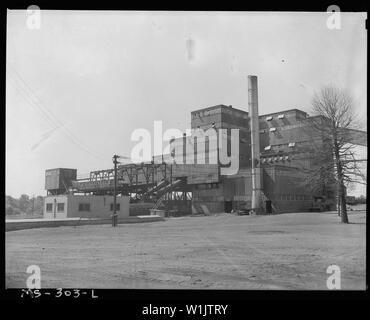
[[220, 106], [283, 111]]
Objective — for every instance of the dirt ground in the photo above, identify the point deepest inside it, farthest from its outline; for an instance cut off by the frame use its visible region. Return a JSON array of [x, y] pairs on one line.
[[287, 251]]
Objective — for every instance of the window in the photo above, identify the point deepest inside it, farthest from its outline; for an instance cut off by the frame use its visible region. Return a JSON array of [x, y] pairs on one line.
[[118, 207], [49, 207], [84, 207], [60, 207]]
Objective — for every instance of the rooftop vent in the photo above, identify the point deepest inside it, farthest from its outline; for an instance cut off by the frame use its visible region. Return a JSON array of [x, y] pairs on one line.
[[281, 116], [291, 144], [272, 129], [268, 148], [269, 118]]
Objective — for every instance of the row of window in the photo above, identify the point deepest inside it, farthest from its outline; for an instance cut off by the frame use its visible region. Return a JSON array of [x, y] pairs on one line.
[[86, 207], [81, 207], [205, 186], [280, 116], [285, 127], [290, 145], [291, 197], [60, 207], [276, 159]]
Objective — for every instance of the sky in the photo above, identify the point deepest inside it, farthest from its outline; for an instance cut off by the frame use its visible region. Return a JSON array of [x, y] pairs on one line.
[[78, 86]]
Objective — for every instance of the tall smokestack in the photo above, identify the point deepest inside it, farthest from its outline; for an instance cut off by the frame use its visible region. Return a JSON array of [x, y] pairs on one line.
[[255, 144]]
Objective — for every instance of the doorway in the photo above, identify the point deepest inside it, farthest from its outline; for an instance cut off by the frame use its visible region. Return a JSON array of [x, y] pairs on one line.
[[268, 205], [228, 206]]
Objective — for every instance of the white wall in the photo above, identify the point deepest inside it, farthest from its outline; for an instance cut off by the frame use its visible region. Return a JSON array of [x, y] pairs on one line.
[[99, 206], [54, 200]]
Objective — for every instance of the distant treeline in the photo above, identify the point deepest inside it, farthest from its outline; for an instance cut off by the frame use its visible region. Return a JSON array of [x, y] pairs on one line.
[[24, 205], [356, 200]]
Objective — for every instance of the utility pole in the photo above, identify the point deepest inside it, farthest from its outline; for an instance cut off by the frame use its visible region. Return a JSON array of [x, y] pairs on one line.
[[33, 204], [114, 216]]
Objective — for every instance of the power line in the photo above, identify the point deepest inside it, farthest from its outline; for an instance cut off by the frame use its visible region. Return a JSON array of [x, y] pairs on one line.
[[45, 110], [55, 122], [52, 122], [49, 114], [29, 94], [30, 102]]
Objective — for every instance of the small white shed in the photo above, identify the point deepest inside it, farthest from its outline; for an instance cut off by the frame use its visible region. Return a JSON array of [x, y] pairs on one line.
[[81, 206]]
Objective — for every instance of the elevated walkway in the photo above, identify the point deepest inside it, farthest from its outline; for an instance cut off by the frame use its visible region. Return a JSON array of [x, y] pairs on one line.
[[154, 189], [161, 193]]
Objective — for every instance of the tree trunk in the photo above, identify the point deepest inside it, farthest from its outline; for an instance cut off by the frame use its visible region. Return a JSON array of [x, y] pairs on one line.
[[338, 202], [341, 188], [343, 205], [342, 208]]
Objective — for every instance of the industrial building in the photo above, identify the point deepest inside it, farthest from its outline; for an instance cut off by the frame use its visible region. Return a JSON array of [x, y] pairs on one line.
[[61, 204], [84, 206], [273, 149]]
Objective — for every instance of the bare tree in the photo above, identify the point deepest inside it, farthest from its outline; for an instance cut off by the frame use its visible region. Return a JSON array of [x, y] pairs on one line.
[[333, 157], [317, 165]]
